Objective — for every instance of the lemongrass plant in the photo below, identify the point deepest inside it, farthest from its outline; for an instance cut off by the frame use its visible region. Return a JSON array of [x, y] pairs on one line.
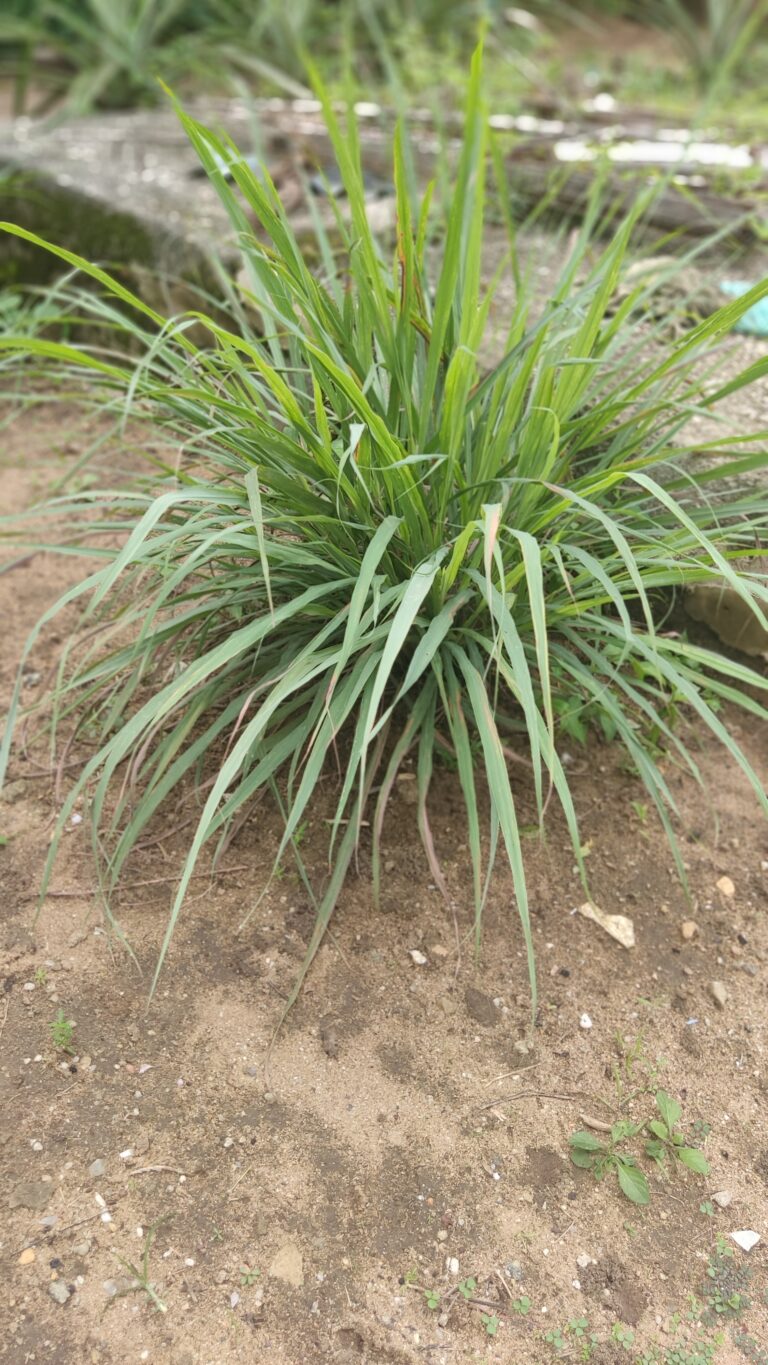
[[370, 549]]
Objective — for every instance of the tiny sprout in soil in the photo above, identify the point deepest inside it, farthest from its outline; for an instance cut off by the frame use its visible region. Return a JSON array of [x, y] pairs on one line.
[[141, 1281], [62, 1031]]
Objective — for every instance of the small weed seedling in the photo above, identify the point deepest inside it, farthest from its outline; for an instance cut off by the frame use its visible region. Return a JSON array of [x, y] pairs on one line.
[[467, 1288], [575, 1337], [667, 1141], [41, 976], [432, 1299], [707, 1207], [556, 1338], [522, 1305], [248, 1275], [725, 1291], [747, 1346], [490, 1323], [601, 1158], [635, 1073], [142, 1283], [623, 1336], [62, 1031], [680, 1353], [664, 1144]]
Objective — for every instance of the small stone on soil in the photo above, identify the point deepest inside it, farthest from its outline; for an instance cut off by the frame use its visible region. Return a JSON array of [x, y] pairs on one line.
[[689, 929], [585, 1022], [30, 1194], [746, 1239], [719, 993], [27, 1256], [480, 1007], [726, 887], [97, 1168], [722, 1198], [418, 957], [58, 1291]]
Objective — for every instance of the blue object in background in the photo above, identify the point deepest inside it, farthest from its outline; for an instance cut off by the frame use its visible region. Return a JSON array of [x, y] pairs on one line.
[[755, 321]]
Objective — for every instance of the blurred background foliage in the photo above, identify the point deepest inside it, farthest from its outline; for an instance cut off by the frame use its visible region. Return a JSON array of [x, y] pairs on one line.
[[77, 55]]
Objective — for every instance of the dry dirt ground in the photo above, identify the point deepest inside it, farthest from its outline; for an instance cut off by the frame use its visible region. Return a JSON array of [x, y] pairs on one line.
[[410, 1130]]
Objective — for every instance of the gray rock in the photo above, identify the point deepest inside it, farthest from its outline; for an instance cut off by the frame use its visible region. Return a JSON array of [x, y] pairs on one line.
[[97, 1168], [30, 1194], [121, 1285], [515, 1271], [481, 1008], [58, 1291]]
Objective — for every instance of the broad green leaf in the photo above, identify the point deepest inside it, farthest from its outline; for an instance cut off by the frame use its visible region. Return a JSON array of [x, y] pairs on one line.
[[633, 1183]]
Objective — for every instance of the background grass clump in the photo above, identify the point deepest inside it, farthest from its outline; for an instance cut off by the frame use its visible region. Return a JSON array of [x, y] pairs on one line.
[[78, 55], [372, 550]]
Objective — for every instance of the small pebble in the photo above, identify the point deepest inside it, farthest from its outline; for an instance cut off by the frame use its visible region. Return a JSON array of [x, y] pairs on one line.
[[585, 1022], [719, 993], [689, 929], [58, 1291], [418, 957], [584, 1259], [726, 887], [453, 1265], [27, 1256], [745, 1238], [515, 1271], [722, 1198], [97, 1168]]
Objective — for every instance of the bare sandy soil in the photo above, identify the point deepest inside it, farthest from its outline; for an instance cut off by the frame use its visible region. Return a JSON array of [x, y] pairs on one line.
[[410, 1129]]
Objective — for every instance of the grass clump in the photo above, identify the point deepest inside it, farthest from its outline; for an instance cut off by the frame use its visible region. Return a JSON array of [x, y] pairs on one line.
[[371, 550]]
